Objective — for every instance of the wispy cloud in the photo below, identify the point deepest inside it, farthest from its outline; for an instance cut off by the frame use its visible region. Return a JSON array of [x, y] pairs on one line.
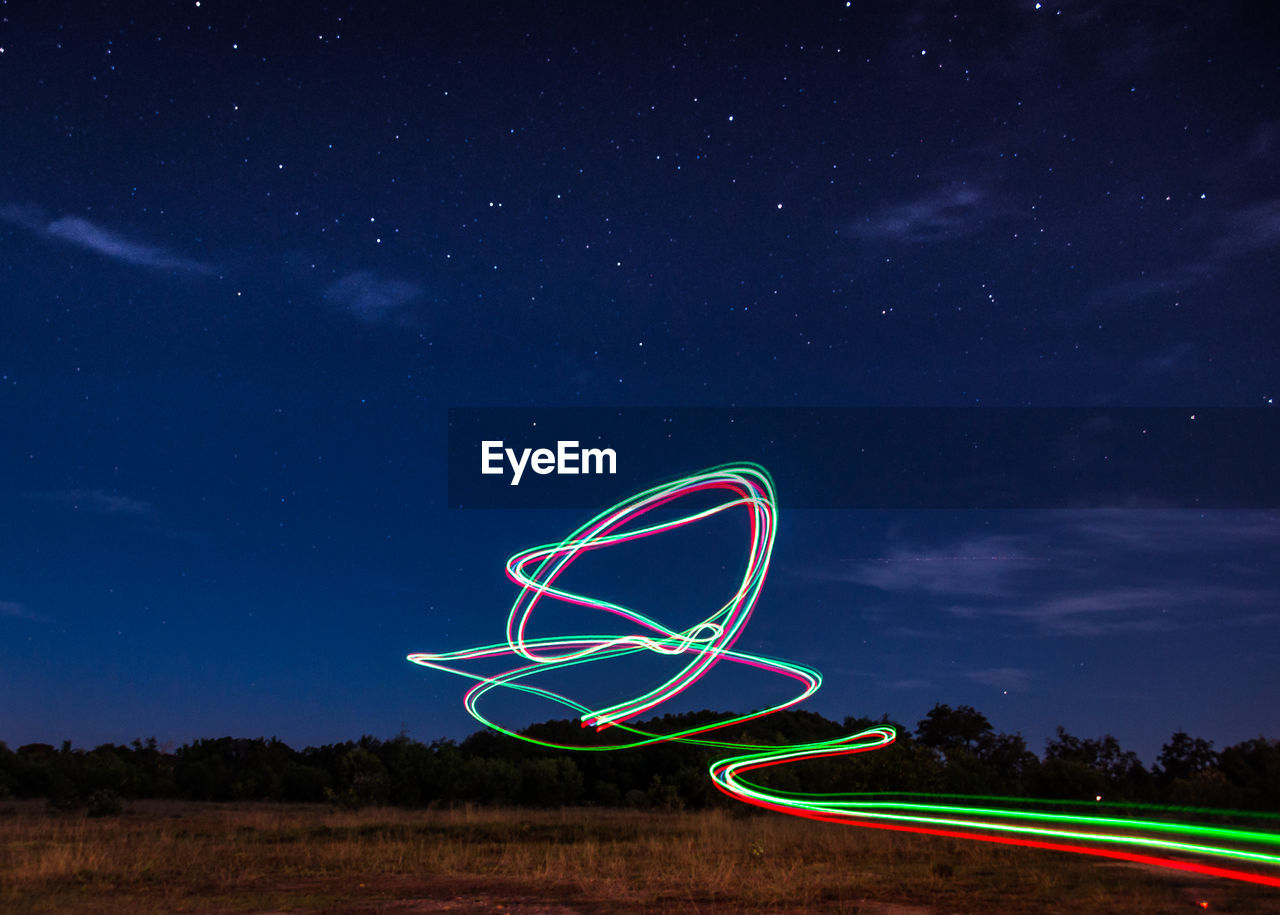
[[952, 212], [373, 298], [1167, 360], [10, 609], [99, 502], [1252, 228], [913, 632], [980, 565], [1100, 611], [907, 684], [1168, 282], [93, 237], [1086, 573], [1177, 533], [365, 295], [1236, 234], [1007, 678]]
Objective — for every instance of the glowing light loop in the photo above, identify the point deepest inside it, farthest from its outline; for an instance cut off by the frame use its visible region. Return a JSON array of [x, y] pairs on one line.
[[1128, 832]]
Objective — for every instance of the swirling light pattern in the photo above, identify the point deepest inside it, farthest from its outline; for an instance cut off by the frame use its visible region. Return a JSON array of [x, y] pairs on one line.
[[1130, 832]]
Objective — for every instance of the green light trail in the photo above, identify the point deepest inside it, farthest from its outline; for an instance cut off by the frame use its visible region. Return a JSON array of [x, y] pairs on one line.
[[1178, 843]]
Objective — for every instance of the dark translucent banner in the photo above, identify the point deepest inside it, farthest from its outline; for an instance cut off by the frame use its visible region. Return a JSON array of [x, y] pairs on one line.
[[909, 458]]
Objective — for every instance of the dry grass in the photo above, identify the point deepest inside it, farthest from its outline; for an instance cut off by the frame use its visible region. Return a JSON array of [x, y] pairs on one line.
[[162, 857]]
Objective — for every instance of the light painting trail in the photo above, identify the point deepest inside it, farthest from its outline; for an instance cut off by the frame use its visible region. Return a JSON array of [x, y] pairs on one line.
[[1129, 832]]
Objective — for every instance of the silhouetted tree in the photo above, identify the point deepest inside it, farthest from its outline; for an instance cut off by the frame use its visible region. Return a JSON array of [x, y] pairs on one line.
[[1183, 756], [945, 728], [952, 749], [1012, 766], [1122, 773], [1252, 768], [363, 780], [6, 770]]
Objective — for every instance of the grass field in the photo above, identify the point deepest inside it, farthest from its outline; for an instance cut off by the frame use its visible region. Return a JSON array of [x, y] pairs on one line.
[[171, 857]]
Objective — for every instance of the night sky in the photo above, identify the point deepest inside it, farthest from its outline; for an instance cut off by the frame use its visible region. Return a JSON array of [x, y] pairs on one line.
[[251, 254]]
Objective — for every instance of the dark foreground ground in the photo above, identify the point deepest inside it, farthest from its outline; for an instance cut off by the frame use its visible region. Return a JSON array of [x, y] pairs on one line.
[[172, 857]]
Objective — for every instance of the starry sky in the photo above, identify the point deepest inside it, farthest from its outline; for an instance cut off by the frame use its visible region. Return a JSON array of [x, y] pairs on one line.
[[251, 254]]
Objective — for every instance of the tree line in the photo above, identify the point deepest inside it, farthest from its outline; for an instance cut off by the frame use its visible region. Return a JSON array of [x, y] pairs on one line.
[[951, 750]]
